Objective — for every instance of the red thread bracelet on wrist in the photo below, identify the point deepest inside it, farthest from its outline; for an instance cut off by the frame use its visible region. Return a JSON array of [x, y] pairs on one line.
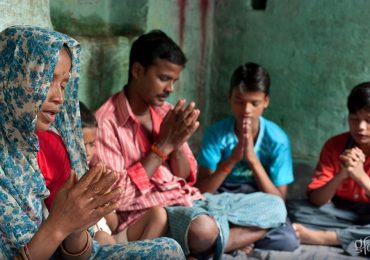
[[155, 149], [25, 253], [226, 169]]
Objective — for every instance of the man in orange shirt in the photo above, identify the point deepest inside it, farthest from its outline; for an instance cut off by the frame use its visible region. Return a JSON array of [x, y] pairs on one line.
[[340, 187]]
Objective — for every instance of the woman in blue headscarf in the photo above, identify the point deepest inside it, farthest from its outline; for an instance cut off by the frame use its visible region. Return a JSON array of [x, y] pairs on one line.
[[40, 142]]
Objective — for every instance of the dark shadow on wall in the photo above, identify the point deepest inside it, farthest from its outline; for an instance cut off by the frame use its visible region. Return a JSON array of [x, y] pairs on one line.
[[259, 4], [302, 176]]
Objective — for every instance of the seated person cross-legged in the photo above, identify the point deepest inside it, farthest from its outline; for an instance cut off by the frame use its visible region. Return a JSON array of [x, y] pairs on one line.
[[144, 139], [338, 210], [43, 162], [246, 153]]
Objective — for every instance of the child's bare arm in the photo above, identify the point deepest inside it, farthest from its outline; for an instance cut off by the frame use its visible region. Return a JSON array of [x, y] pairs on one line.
[[112, 220], [354, 159], [325, 193]]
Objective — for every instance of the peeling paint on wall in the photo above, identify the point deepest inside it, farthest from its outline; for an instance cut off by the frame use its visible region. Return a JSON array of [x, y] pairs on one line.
[[204, 7], [24, 12], [182, 20]]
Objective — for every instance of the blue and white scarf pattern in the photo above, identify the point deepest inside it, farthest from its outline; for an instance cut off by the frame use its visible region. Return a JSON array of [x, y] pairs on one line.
[[28, 56]]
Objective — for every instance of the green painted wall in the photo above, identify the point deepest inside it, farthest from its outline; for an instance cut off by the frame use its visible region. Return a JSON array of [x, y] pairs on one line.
[[106, 29], [99, 17], [315, 51], [190, 24], [24, 12], [104, 63]]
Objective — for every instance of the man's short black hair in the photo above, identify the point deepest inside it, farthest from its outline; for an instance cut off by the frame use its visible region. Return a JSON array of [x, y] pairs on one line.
[[153, 45]]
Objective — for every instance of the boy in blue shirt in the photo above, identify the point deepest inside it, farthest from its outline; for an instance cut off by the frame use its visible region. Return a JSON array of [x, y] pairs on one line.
[[245, 152]]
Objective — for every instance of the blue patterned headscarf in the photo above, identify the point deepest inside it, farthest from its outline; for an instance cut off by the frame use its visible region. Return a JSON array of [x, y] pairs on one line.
[[28, 56]]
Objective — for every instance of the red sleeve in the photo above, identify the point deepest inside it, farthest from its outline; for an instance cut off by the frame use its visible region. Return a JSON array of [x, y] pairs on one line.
[[329, 163], [53, 161], [138, 176]]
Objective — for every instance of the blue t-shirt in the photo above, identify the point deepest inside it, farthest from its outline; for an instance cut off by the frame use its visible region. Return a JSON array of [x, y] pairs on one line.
[[272, 149]]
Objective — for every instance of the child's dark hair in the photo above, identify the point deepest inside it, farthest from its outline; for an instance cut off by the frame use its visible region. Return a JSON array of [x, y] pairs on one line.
[[359, 98], [152, 45], [87, 117], [250, 77]]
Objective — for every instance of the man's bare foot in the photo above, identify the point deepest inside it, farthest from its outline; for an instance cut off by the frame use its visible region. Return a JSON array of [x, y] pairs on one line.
[[248, 249], [315, 237]]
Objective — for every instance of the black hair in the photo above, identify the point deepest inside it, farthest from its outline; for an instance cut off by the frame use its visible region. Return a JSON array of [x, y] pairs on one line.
[[250, 77], [152, 45], [87, 117], [68, 50], [69, 53], [359, 98]]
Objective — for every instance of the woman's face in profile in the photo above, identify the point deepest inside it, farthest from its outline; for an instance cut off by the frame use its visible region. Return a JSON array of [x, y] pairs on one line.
[[55, 96]]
